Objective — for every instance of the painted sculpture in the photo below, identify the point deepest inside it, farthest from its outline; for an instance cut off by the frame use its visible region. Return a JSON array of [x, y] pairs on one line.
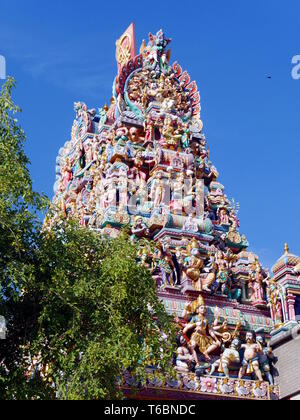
[[143, 162]]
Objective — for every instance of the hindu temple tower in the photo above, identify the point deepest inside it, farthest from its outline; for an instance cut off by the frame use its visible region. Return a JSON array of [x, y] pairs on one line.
[[143, 162]]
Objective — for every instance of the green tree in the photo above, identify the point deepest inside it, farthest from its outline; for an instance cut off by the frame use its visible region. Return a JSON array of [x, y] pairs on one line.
[[77, 304], [99, 313], [20, 210]]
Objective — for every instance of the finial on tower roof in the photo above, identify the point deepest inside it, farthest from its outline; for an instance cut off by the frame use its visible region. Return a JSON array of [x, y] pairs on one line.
[[286, 249]]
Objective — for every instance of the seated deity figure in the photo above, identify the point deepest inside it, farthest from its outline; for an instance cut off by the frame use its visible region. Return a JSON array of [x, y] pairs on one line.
[[170, 138], [184, 358], [251, 357], [230, 358], [223, 216], [139, 229], [191, 224], [203, 338]]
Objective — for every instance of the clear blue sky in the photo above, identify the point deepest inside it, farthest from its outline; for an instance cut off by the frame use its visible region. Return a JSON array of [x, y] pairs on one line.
[[62, 51]]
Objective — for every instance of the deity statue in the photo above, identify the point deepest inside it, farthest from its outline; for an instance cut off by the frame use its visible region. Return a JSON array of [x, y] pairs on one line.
[[203, 338], [190, 224], [110, 195], [265, 357], [81, 156], [149, 128], [255, 284], [230, 359], [184, 358], [121, 134], [177, 193], [155, 57], [251, 357], [171, 138], [274, 294], [224, 279], [164, 266], [139, 229], [211, 268], [193, 264], [223, 216], [185, 137], [157, 193], [67, 172]]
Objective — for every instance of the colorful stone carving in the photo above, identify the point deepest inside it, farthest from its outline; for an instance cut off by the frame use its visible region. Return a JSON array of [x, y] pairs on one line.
[[143, 162]]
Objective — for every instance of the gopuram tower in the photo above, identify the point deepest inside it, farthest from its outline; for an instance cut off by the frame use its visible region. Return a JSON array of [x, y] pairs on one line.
[[142, 162]]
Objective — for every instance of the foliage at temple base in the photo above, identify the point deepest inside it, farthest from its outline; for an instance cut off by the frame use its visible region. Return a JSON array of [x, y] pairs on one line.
[[78, 308], [99, 314]]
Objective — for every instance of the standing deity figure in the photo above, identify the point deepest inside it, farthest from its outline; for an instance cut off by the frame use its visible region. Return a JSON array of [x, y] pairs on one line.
[[177, 193], [229, 359], [149, 128], [157, 193], [123, 192], [185, 137], [265, 356], [256, 282], [223, 279], [274, 295], [164, 266], [67, 172], [193, 264], [203, 338], [251, 357], [212, 269], [81, 156]]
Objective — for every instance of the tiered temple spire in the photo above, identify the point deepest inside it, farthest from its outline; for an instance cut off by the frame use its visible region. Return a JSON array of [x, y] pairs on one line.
[[144, 162]]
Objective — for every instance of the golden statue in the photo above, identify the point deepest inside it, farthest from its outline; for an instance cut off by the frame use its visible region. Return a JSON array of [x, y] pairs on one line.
[[203, 337], [193, 264]]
